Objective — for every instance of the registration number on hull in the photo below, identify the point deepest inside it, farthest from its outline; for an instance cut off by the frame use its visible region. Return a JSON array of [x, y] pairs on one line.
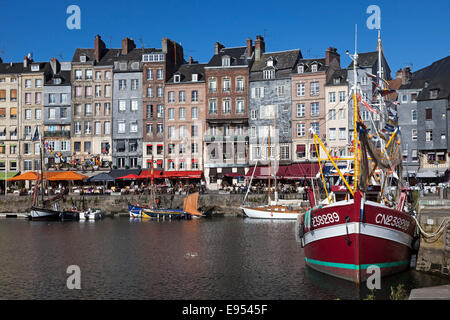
[[324, 219]]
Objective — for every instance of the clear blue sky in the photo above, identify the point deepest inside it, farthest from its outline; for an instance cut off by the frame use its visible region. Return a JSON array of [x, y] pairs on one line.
[[413, 32]]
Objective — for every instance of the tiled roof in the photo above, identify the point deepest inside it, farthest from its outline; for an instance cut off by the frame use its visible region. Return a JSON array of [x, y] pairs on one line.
[[307, 63], [17, 67], [237, 55], [340, 74]]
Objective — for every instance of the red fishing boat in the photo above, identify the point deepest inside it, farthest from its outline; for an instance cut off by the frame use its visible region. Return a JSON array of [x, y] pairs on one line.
[[361, 223]]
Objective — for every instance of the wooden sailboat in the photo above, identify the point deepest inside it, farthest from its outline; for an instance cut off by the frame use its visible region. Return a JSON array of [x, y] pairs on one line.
[[344, 238], [190, 206], [273, 209]]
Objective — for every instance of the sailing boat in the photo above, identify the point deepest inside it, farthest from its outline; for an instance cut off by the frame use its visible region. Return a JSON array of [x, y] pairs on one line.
[[42, 211], [152, 210], [344, 238], [273, 210], [190, 206]]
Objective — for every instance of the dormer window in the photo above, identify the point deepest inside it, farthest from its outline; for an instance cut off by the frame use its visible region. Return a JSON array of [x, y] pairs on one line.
[[269, 62], [314, 68], [337, 80], [176, 78], [83, 58], [194, 77], [434, 93], [56, 80], [226, 61], [425, 85], [269, 74], [301, 69], [34, 67]]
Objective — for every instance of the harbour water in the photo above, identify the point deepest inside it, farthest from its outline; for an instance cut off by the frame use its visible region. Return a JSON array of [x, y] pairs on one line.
[[218, 258]]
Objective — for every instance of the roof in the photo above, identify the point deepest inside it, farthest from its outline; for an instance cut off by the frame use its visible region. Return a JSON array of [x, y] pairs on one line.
[[307, 63], [340, 74], [17, 67], [63, 75], [366, 59], [437, 77], [187, 70], [238, 57], [283, 62], [111, 55]]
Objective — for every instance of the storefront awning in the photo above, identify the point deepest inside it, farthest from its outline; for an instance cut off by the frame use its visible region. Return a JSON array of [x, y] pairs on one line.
[[294, 171], [9, 175]]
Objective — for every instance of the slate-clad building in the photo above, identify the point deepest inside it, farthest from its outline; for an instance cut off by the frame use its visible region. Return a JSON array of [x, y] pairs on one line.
[[270, 96], [226, 138], [57, 113]]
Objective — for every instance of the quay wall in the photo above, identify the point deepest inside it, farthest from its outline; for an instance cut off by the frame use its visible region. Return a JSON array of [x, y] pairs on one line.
[[223, 204], [434, 254]]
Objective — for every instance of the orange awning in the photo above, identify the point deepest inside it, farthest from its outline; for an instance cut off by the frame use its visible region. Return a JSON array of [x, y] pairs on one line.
[[31, 175], [66, 176]]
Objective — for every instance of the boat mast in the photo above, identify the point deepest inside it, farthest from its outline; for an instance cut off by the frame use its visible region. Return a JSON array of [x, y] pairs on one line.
[[355, 113], [270, 173], [41, 151], [276, 154]]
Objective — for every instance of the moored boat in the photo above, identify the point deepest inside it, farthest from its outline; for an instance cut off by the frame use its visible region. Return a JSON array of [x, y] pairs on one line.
[[272, 212], [40, 213]]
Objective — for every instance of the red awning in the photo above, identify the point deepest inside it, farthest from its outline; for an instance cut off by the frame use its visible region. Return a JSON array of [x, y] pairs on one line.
[[182, 174], [146, 174], [302, 170], [233, 174], [129, 177], [301, 148]]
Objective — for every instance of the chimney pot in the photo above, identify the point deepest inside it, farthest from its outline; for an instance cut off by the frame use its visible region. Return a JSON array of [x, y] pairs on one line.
[[218, 46], [249, 47], [260, 47], [127, 45]]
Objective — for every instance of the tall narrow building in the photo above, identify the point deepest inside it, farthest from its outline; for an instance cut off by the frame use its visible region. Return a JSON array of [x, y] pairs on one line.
[[226, 138]]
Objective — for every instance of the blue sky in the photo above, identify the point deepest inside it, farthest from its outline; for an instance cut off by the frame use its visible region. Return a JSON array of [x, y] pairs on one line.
[[414, 33]]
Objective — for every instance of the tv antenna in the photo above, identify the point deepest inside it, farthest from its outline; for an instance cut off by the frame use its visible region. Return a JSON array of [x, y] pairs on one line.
[[141, 41]]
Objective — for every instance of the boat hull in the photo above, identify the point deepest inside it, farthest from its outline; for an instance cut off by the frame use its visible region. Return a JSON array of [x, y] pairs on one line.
[[271, 212], [44, 214], [347, 238], [136, 211], [70, 216]]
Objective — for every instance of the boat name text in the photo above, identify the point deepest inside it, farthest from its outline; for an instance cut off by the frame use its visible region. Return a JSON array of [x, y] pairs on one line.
[[392, 221], [325, 219]]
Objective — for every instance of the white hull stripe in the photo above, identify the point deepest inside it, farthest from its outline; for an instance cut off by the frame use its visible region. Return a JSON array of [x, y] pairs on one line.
[[357, 227]]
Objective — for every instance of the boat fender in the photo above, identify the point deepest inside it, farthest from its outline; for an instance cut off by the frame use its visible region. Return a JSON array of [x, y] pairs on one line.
[[415, 244], [347, 238]]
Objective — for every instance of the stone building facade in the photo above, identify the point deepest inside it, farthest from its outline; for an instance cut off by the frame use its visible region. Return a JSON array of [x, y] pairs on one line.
[[185, 117], [226, 137], [308, 102], [271, 99]]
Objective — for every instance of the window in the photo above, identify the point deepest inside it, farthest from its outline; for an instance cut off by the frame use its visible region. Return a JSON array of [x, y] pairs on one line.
[[300, 89], [98, 91], [171, 132], [134, 126], [194, 113], [38, 114], [332, 115], [182, 112], [134, 84], [78, 91], [226, 61], [77, 127], [63, 113], [314, 68], [212, 85], [314, 88], [182, 148], [301, 110], [194, 96], [88, 109], [315, 127], [122, 85], [341, 114], [28, 98], [280, 91], [182, 96], [301, 130], [315, 109], [122, 105], [414, 156], [258, 92], [240, 106], [269, 74], [253, 114], [98, 111], [12, 95], [332, 97], [341, 96], [226, 106], [88, 91], [284, 152], [78, 74], [88, 74], [404, 98], [428, 114], [149, 74], [253, 131], [64, 98], [365, 115], [87, 127], [149, 128], [181, 132], [429, 135], [414, 115], [176, 78], [52, 98], [240, 87], [194, 77], [77, 146], [87, 146], [226, 85], [38, 97], [194, 131], [150, 92], [27, 114], [98, 128], [160, 111], [52, 113], [364, 80], [300, 69], [98, 75], [301, 151], [121, 127], [171, 97], [160, 74], [332, 133], [107, 127], [414, 135], [107, 107], [27, 165], [134, 105], [171, 113], [212, 106], [171, 164], [342, 135], [171, 148]]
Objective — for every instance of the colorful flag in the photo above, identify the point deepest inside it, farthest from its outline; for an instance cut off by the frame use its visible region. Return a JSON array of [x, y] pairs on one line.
[[365, 104]]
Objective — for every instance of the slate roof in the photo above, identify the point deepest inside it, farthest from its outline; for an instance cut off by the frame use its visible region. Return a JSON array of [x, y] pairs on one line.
[[366, 59], [111, 55], [64, 75], [307, 63], [437, 75], [187, 70], [17, 67], [283, 61], [238, 57], [340, 74]]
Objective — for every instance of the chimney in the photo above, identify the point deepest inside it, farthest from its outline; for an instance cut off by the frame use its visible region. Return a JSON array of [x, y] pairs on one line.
[[406, 75], [25, 62], [1, 60], [332, 57], [249, 47], [191, 60], [260, 47], [54, 63], [217, 47], [127, 45], [99, 48]]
